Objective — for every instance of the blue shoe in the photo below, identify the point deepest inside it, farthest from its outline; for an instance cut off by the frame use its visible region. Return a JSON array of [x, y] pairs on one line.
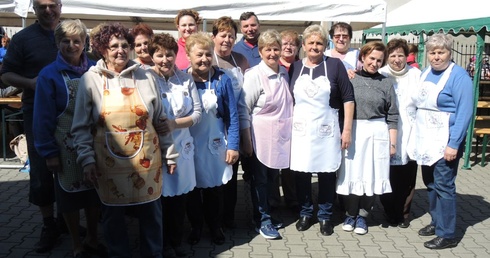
[[361, 226], [269, 232], [349, 224], [275, 223]]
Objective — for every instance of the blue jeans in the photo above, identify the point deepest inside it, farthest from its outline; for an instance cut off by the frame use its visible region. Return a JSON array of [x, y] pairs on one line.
[[261, 179], [441, 188], [150, 229], [326, 194]]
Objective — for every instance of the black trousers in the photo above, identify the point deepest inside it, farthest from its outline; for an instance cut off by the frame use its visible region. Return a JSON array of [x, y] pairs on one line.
[[173, 219], [205, 204]]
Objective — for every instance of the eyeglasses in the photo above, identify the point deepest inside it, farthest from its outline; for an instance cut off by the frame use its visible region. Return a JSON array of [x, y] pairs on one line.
[[339, 36], [116, 47], [289, 45], [46, 6]]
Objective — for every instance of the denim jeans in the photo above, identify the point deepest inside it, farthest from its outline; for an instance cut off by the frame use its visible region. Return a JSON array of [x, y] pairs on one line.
[[326, 194], [441, 188], [150, 229], [261, 179]]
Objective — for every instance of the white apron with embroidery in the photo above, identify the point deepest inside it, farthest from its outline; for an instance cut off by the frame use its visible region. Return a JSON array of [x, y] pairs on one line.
[[71, 180], [430, 134], [127, 149], [178, 103], [271, 126], [210, 142], [366, 165], [315, 143]]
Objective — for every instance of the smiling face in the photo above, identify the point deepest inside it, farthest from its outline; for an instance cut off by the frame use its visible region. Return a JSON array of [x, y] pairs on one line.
[[141, 48], [48, 13], [289, 49], [270, 55], [201, 59], [341, 40], [187, 26], [314, 47], [224, 41], [250, 29], [373, 61], [71, 48], [439, 58], [397, 60], [116, 55], [164, 61]]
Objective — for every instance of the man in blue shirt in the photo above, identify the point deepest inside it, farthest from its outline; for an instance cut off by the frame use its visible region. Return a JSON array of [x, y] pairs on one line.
[[247, 46]]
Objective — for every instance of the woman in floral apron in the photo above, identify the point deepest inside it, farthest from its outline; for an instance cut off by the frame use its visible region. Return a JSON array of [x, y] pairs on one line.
[[270, 105], [216, 139], [56, 88], [117, 111], [444, 102], [322, 123], [181, 102]]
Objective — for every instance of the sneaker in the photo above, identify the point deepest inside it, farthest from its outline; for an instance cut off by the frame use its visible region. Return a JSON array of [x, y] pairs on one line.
[[361, 226], [349, 224], [269, 232], [49, 237], [275, 223]]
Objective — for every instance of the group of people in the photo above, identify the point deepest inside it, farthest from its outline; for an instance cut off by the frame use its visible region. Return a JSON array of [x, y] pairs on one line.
[[160, 137]]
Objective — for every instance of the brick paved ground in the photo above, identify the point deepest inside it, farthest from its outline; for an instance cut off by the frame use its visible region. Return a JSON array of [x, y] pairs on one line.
[[20, 227]]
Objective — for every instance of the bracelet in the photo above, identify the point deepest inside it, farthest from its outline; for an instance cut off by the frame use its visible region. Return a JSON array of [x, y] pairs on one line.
[[393, 145]]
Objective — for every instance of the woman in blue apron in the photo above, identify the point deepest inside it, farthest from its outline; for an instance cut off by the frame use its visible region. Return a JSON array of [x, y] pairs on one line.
[[444, 102], [216, 139], [117, 113], [181, 100]]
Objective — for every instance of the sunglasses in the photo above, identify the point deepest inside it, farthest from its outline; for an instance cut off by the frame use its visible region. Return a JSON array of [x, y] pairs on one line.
[[46, 6], [338, 36]]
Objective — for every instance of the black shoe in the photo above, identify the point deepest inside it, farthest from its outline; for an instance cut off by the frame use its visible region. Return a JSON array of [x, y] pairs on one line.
[[100, 250], [404, 224], [441, 243], [326, 227], [49, 238], [303, 223], [428, 230], [180, 251], [194, 236], [217, 236]]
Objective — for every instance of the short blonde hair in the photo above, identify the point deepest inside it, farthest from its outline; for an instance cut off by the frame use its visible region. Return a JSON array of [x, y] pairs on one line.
[[315, 29], [70, 27], [199, 38], [269, 37]]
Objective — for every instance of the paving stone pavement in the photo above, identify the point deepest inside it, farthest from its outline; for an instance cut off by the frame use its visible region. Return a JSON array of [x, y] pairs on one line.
[[20, 227]]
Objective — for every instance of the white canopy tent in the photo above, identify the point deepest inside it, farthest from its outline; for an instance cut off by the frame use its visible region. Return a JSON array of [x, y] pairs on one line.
[[279, 14]]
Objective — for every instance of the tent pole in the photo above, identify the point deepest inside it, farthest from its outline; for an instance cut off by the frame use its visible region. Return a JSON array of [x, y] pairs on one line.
[[480, 43], [421, 46]]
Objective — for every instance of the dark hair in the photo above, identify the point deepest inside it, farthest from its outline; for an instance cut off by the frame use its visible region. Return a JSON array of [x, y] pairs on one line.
[[162, 41], [141, 29], [412, 48], [101, 39], [224, 23], [246, 15], [187, 12], [340, 25], [370, 47], [395, 44]]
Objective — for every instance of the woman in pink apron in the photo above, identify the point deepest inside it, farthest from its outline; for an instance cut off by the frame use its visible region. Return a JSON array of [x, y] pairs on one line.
[[270, 105], [117, 111], [324, 105], [181, 102], [216, 139], [365, 171], [234, 64], [56, 89], [444, 102]]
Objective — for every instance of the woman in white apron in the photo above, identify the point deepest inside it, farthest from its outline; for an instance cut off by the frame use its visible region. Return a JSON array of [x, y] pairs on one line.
[[234, 64], [366, 167], [444, 102], [324, 101], [181, 101], [117, 111], [54, 105], [270, 105], [341, 36], [216, 139], [403, 171]]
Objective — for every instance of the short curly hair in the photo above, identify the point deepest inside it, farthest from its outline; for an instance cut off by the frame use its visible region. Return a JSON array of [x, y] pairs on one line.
[[101, 39], [142, 29], [187, 12], [224, 23], [162, 41], [200, 39]]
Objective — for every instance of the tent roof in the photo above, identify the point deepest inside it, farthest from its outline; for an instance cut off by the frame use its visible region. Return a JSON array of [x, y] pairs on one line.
[[159, 14], [425, 16]]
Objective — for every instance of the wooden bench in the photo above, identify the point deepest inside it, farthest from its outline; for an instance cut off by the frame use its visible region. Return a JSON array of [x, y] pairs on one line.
[[482, 132]]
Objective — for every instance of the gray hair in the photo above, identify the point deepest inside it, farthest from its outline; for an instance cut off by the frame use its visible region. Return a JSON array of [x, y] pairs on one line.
[[440, 40], [315, 29], [70, 27]]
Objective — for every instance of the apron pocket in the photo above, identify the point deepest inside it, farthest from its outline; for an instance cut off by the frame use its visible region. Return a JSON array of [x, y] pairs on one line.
[[217, 144], [282, 129], [299, 127], [124, 145], [325, 129], [187, 148]]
